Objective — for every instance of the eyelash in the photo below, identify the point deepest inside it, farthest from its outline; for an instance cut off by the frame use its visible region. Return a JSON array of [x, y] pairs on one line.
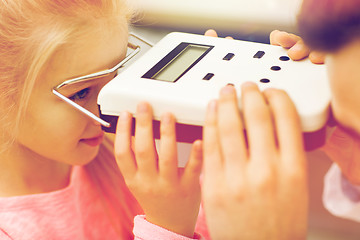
[[80, 95]]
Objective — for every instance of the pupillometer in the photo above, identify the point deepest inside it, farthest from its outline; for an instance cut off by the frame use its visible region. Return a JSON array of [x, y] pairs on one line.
[[183, 72]]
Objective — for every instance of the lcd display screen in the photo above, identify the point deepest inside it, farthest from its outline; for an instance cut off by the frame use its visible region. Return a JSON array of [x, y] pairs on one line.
[[178, 62]]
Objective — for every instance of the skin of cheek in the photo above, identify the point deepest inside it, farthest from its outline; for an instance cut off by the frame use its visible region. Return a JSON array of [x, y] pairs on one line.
[[344, 75], [53, 131]]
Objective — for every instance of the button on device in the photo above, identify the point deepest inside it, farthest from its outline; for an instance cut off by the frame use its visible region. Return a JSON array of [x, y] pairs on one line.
[[259, 54], [284, 58], [228, 56], [208, 76], [275, 68]]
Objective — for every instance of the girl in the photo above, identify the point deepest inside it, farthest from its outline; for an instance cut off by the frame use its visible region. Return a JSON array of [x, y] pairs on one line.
[[58, 175], [335, 31], [269, 199]]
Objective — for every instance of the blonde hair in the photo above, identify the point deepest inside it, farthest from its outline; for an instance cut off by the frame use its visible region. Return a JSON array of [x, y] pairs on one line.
[[31, 31]]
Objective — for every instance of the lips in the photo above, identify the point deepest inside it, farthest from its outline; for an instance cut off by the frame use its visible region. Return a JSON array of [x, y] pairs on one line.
[[94, 141]]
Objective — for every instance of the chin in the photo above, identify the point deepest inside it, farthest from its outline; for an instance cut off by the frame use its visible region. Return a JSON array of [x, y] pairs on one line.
[[346, 123], [85, 156]]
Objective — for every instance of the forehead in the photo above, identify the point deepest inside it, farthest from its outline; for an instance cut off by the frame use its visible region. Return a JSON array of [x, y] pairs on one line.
[[93, 52]]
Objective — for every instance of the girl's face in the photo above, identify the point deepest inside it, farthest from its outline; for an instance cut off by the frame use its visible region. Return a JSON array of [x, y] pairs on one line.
[[51, 128], [344, 74]]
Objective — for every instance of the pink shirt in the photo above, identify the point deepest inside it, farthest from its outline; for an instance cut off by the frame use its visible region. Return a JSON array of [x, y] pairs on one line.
[[76, 212]]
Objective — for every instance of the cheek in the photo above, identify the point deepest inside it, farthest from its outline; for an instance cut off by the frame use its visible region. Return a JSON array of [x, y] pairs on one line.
[[51, 132], [339, 89], [345, 87], [60, 121]]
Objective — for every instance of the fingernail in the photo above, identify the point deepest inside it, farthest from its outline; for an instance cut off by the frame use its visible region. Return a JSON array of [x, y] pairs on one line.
[[248, 84], [212, 105], [228, 90], [142, 107], [124, 116], [299, 46], [166, 118]]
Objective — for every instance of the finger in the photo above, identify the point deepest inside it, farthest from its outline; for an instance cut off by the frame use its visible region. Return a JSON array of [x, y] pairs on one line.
[[288, 127], [231, 130], [258, 122], [193, 167], [284, 39], [317, 57], [212, 153], [299, 51], [168, 148], [231, 38], [273, 37], [123, 151], [144, 142], [211, 33]]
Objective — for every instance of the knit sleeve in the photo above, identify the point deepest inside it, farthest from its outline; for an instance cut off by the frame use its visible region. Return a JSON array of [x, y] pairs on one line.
[[340, 197], [144, 230]]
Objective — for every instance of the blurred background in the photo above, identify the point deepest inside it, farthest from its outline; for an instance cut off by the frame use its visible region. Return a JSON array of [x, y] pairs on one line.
[[244, 19], [250, 20]]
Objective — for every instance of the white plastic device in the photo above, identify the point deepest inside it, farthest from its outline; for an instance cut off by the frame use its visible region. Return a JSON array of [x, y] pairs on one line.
[[183, 72]]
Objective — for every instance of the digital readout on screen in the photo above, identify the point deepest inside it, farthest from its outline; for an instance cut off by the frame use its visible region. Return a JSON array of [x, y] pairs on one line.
[[178, 62]]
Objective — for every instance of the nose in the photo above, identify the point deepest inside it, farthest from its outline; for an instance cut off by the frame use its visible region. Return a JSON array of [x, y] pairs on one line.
[[95, 116]]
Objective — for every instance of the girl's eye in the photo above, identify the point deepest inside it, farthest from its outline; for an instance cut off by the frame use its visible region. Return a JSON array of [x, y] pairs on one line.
[[80, 95]]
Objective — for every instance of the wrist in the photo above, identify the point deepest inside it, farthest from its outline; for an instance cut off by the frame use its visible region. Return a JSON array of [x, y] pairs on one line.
[[174, 225], [143, 229]]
